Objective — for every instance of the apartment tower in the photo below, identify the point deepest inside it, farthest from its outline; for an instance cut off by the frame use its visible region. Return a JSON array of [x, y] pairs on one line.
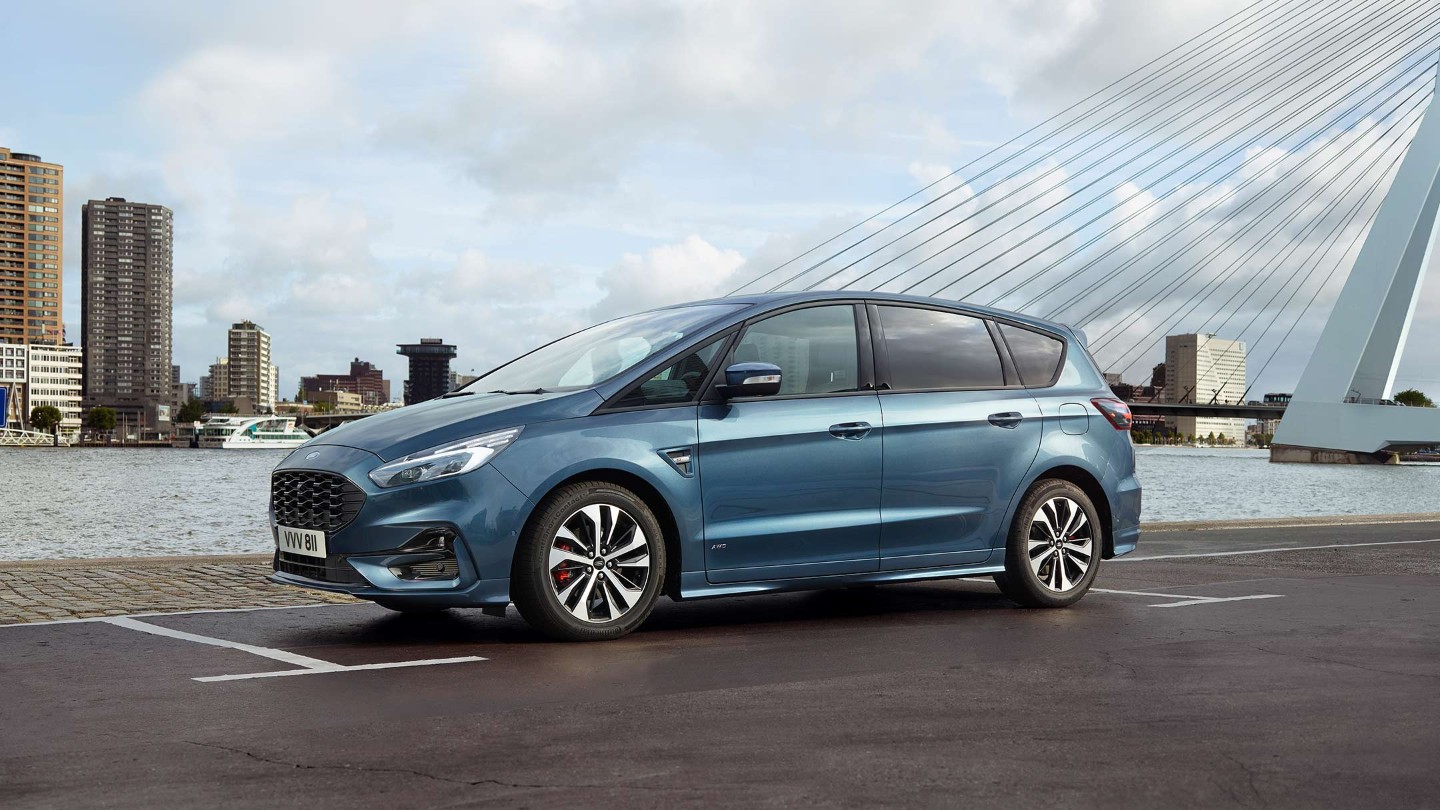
[[127, 279], [250, 372], [31, 235]]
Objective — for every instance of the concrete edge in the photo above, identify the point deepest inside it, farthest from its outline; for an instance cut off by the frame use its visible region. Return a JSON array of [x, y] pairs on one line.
[[1159, 526], [1276, 523], [134, 562]]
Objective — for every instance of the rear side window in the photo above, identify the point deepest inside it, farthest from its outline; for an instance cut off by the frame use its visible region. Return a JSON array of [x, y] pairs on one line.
[[676, 383], [1036, 356], [929, 348]]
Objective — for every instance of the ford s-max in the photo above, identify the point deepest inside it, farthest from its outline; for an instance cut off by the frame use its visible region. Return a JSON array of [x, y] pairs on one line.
[[766, 443]]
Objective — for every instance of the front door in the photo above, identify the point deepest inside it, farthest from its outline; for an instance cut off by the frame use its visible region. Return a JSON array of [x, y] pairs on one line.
[[791, 483]]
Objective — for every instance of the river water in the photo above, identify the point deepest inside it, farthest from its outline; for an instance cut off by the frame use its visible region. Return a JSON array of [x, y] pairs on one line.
[[101, 502]]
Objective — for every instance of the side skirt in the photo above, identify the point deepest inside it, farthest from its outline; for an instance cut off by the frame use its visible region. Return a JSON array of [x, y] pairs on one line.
[[693, 584]]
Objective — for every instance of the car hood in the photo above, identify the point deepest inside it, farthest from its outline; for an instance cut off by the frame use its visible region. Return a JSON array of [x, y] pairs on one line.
[[398, 433]]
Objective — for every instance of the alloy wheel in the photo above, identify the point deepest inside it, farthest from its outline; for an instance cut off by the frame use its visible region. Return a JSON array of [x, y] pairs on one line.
[[599, 563], [1061, 544]]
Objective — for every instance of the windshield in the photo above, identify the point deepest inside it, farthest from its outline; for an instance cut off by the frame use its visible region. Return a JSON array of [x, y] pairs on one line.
[[593, 355]]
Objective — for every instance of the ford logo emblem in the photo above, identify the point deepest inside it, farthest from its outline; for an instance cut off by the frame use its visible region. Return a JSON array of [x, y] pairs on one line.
[[313, 456]]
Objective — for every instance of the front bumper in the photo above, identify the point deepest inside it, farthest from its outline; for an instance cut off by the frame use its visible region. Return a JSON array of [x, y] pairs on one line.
[[483, 509]]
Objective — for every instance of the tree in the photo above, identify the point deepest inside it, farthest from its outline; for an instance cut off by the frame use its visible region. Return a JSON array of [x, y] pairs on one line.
[[1220, 439], [191, 411], [1413, 398], [1189, 438], [100, 419], [45, 418], [229, 407]]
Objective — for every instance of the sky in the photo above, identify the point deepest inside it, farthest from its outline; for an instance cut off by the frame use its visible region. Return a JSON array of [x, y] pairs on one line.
[[353, 175]]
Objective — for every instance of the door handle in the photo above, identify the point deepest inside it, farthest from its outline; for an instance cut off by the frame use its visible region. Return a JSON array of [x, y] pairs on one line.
[[1006, 420], [854, 431]]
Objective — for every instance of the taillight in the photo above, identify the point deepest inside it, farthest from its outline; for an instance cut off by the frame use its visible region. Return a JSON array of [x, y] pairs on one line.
[[1114, 410]]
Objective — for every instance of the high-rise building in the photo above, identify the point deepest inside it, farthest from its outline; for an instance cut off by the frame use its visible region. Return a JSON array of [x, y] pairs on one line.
[[127, 279], [251, 374], [1203, 369], [32, 231], [429, 369], [55, 374], [364, 379]]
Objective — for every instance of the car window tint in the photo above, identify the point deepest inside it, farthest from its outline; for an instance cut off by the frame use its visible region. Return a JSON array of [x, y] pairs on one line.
[[815, 349], [929, 348], [1036, 356], [676, 383]]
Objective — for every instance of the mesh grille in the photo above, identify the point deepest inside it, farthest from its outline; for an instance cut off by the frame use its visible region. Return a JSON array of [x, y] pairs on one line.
[[330, 569], [314, 500]]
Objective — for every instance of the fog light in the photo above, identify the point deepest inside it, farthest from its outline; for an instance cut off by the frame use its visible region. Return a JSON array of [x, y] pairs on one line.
[[438, 540]]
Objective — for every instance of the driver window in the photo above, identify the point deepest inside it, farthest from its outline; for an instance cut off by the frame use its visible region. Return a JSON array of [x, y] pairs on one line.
[[815, 349]]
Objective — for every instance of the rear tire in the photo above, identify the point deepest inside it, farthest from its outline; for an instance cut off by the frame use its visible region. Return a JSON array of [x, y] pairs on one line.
[[590, 563], [1053, 552]]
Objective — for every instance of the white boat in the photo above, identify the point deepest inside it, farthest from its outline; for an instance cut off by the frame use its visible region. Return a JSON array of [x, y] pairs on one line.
[[252, 433]]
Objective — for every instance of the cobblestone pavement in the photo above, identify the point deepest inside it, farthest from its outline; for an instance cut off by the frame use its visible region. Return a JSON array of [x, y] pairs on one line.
[[44, 590]]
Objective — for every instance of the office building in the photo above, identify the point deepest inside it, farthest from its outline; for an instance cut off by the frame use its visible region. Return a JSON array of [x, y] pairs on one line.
[[364, 379], [127, 279], [457, 379], [1204, 369], [55, 379], [429, 369], [249, 370], [32, 233], [14, 362]]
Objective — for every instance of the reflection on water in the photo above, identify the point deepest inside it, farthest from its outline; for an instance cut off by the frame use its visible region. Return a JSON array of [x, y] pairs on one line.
[[118, 503]]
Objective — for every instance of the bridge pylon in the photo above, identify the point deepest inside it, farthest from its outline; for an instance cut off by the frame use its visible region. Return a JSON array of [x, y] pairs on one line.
[[1336, 415]]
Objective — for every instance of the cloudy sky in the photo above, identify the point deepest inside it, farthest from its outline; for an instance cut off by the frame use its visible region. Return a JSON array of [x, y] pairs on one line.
[[355, 174]]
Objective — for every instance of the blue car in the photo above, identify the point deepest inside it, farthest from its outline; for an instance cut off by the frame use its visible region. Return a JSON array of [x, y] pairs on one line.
[[744, 445]]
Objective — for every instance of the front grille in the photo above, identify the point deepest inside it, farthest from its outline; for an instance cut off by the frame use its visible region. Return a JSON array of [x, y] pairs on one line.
[[331, 569], [445, 568], [314, 500]]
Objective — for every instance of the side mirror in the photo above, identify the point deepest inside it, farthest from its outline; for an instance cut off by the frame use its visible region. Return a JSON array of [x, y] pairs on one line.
[[751, 380]]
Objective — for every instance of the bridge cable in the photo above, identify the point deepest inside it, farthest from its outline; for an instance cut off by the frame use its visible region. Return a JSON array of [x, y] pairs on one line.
[[1197, 297], [1097, 312], [1222, 88], [1232, 22], [1062, 219], [1200, 192]]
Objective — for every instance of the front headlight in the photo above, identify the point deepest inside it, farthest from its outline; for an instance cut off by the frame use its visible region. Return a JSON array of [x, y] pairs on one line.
[[445, 460]]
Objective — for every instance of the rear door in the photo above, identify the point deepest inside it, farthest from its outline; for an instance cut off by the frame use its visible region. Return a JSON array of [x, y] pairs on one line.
[[960, 434]]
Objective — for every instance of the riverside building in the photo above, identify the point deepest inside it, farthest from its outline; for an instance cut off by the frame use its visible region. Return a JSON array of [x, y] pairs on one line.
[[55, 379], [126, 305], [32, 232], [364, 379], [249, 371], [1203, 369]]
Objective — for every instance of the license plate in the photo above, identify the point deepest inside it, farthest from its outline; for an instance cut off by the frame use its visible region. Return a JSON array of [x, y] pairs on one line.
[[308, 542]]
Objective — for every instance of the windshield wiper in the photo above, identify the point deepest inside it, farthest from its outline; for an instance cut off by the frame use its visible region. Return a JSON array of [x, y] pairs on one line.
[[456, 394], [531, 391]]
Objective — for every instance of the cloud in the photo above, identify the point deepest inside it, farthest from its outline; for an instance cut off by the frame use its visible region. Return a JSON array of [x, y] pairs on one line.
[[669, 274]]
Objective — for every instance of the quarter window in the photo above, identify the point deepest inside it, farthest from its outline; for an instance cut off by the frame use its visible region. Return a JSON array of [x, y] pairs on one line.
[[930, 349], [678, 382], [815, 349], [1036, 356]]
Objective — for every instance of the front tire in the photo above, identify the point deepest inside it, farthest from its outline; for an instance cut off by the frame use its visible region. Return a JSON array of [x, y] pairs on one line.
[[1053, 551], [590, 564]]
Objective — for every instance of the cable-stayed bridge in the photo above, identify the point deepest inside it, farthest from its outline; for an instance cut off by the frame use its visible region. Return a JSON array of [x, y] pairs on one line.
[[1226, 187]]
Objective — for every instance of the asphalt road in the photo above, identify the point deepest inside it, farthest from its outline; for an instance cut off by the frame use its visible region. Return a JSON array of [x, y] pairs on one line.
[[1297, 677]]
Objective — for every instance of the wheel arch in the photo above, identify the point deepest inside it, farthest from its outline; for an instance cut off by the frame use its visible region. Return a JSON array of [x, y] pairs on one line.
[[1091, 486], [653, 499]]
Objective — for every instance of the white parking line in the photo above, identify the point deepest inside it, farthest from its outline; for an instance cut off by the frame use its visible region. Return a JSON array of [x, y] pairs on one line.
[[1187, 599], [1269, 550], [310, 666]]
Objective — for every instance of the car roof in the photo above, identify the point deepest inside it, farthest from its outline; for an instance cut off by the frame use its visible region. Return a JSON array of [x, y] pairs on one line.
[[761, 302]]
